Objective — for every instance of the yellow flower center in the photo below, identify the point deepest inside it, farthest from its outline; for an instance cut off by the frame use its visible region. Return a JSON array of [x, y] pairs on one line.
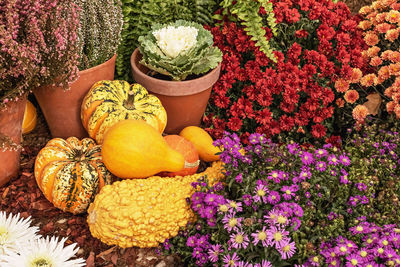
[[286, 248], [273, 197], [334, 159], [359, 228], [288, 192], [275, 175], [396, 230], [272, 216], [315, 259], [262, 236], [385, 242], [333, 263], [261, 192], [343, 249], [369, 240], [363, 254], [278, 236], [350, 245], [232, 222], [41, 262], [333, 254], [211, 199], [233, 204], [380, 250], [281, 219], [231, 263], [223, 208], [239, 239], [354, 262], [390, 263]]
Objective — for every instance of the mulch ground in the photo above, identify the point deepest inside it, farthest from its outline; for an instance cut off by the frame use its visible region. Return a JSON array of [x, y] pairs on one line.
[[22, 195]]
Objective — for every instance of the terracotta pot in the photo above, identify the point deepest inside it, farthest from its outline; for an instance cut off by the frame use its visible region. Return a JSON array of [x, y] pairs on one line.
[[62, 109], [11, 125], [184, 101]]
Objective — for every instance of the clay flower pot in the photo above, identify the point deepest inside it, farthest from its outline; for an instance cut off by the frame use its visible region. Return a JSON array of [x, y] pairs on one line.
[[184, 101], [62, 109], [11, 126]]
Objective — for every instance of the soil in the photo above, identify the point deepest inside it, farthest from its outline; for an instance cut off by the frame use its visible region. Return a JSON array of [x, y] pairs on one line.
[[355, 5], [22, 195]]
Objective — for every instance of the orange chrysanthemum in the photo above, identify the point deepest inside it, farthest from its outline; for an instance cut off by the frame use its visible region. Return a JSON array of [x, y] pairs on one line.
[[389, 92], [373, 51], [380, 18], [393, 16], [340, 102], [371, 39], [396, 97], [375, 61], [360, 112], [385, 54], [392, 35], [351, 96], [368, 80], [394, 56], [383, 73], [356, 75], [365, 10], [394, 69], [387, 3], [390, 106], [383, 27], [342, 85], [397, 111], [365, 25]]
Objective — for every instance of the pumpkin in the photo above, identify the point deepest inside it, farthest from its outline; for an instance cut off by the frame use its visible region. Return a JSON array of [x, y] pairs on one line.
[[189, 153], [202, 141], [108, 102], [70, 173], [134, 149], [30, 118], [145, 212]]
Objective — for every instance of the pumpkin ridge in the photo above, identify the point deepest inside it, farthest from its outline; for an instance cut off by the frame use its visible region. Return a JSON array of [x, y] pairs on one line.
[[51, 178], [87, 112]]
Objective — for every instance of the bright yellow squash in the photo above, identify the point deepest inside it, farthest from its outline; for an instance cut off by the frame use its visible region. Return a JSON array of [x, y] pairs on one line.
[[145, 212], [202, 141], [30, 118], [108, 102], [134, 149]]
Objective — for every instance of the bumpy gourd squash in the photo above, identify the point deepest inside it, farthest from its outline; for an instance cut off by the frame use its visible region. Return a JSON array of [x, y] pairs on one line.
[[145, 212], [189, 152], [134, 149], [202, 141], [70, 173], [108, 102]]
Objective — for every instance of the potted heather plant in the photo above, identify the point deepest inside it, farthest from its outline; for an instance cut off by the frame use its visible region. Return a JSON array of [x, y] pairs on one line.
[[37, 47], [178, 63], [100, 25]]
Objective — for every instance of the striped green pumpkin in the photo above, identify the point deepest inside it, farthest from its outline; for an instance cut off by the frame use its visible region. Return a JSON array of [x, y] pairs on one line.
[[71, 172], [109, 102]]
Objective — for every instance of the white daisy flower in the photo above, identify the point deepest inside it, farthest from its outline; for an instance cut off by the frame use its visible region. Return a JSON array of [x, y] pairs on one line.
[[13, 230], [43, 252]]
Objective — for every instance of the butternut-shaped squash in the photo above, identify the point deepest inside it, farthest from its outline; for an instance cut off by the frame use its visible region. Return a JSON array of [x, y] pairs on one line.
[[134, 149]]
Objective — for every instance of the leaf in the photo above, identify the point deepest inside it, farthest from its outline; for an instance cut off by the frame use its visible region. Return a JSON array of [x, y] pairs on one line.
[[373, 104]]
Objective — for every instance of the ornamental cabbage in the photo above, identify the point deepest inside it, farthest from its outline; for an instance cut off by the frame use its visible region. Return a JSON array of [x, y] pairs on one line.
[[179, 49]]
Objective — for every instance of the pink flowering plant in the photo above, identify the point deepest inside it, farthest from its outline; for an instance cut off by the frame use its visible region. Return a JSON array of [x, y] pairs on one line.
[[38, 45], [283, 205]]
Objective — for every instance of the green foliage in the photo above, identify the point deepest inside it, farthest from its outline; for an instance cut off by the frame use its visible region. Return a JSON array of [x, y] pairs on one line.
[[99, 31], [247, 11], [139, 15], [198, 59]]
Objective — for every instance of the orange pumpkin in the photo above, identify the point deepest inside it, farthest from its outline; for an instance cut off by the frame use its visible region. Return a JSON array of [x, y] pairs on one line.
[[189, 152], [70, 172]]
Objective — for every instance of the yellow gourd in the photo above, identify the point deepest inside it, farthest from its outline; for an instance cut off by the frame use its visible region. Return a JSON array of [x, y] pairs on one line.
[[145, 212], [134, 149], [30, 118], [202, 141]]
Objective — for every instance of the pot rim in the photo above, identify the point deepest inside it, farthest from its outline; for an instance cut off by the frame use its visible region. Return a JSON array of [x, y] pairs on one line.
[[173, 88], [92, 69]]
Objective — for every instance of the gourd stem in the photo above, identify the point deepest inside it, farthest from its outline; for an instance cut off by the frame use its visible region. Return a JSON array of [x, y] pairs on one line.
[[130, 102]]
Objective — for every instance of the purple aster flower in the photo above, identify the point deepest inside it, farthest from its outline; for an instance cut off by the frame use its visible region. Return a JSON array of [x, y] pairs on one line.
[[197, 197], [296, 223], [202, 260], [274, 176], [264, 263], [271, 216], [307, 158], [273, 197], [353, 260], [293, 148], [231, 261], [256, 138], [214, 251], [247, 200], [359, 229], [235, 206], [210, 198], [191, 241], [307, 194], [197, 252], [361, 186], [260, 193], [239, 178], [239, 240], [320, 153], [244, 264], [344, 179], [288, 192], [332, 215], [333, 160], [379, 251], [297, 210], [231, 222], [209, 212], [260, 236], [286, 249], [305, 174], [276, 236], [344, 160], [321, 166], [211, 222]]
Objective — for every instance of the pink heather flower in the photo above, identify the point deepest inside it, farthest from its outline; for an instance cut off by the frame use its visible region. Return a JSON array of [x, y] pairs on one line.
[[239, 240], [214, 252], [260, 193], [260, 236], [287, 249], [276, 236], [231, 261]]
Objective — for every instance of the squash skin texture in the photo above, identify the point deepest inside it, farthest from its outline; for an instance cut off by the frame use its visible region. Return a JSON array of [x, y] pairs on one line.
[[202, 141], [106, 103], [134, 149], [70, 172], [143, 213]]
